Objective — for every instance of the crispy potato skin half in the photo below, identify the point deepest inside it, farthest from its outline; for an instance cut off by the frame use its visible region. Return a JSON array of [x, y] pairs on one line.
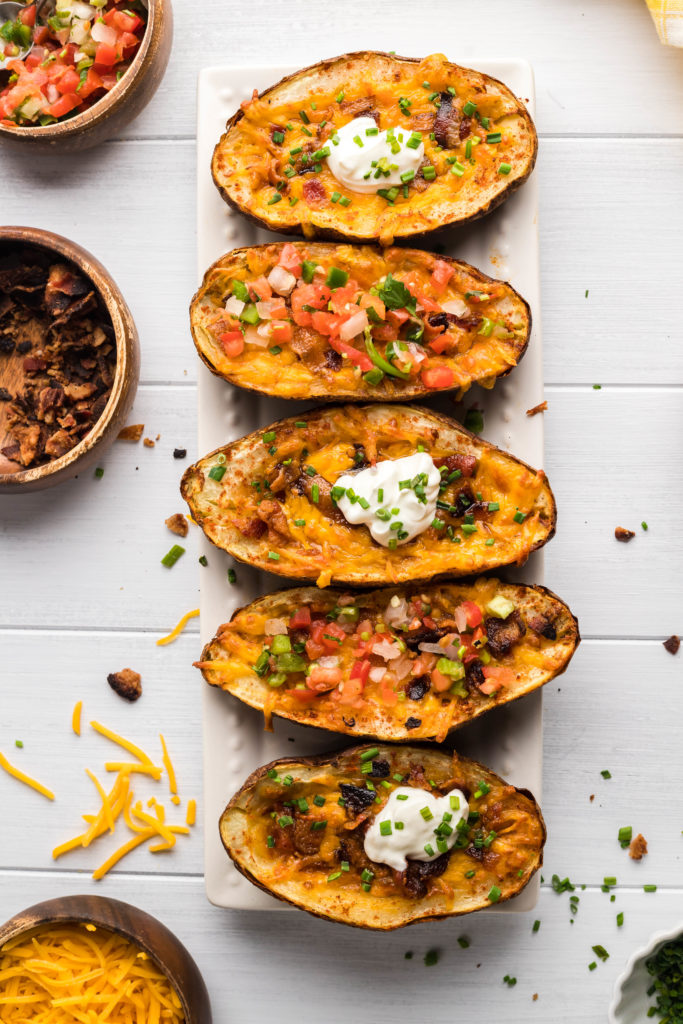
[[307, 375], [300, 878], [247, 163], [228, 660], [260, 527]]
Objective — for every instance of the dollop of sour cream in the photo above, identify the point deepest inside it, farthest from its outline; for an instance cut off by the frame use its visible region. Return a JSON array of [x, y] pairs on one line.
[[359, 160], [395, 499], [413, 822]]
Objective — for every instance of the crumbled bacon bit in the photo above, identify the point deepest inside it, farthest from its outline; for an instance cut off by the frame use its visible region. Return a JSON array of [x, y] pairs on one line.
[[148, 442], [592, 797], [177, 523], [133, 432], [127, 683], [624, 535], [179, 453], [534, 411], [638, 847], [57, 342], [672, 644]]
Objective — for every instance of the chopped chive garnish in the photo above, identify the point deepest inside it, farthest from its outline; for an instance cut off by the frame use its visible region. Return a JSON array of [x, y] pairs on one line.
[[625, 834], [649, 888], [339, 97], [519, 517], [172, 556], [99, 472], [335, 874], [504, 169], [463, 942], [270, 842], [304, 117], [232, 576], [285, 820], [469, 108], [426, 813], [431, 957], [274, 199], [494, 137], [592, 965], [429, 849], [620, 918], [470, 873], [494, 894], [536, 926], [299, 522], [344, 201], [600, 952], [274, 556], [367, 755], [278, 137], [606, 773], [385, 828], [203, 560]]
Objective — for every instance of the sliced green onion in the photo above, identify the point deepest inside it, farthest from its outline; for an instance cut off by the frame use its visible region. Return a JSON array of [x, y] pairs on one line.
[[172, 556]]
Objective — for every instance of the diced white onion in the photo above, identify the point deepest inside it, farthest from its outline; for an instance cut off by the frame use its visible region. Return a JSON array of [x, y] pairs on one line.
[[52, 92], [346, 599], [80, 30], [386, 650], [252, 337], [417, 354], [83, 10], [102, 33], [234, 305], [281, 281], [329, 661], [401, 667], [395, 614], [264, 330], [276, 627], [378, 673], [265, 308], [431, 649], [456, 306], [354, 325], [451, 652]]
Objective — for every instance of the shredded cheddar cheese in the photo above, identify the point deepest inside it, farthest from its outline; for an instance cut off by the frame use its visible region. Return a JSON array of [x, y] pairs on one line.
[[26, 779], [119, 804], [168, 765], [191, 816], [177, 630], [60, 974], [76, 717]]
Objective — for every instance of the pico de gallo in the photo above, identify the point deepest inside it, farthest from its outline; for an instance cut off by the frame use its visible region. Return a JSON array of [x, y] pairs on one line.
[[407, 663], [359, 320], [79, 54]]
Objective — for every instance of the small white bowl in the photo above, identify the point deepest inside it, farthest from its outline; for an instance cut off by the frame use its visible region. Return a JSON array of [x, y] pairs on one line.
[[630, 1001]]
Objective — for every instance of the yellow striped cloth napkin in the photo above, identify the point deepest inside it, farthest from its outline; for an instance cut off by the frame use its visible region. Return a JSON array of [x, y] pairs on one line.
[[668, 17]]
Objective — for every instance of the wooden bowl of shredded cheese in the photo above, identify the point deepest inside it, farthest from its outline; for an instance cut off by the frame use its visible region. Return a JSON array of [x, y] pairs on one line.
[[88, 959]]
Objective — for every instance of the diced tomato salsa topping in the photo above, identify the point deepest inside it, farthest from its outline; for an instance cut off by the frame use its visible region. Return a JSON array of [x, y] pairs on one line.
[[397, 654], [396, 328], [75, 60]]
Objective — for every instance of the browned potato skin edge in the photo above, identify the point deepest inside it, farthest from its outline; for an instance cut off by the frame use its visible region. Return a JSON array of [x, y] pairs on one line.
[[321, 760], [191, 471], [295, 229], [408, 393], [461, 581]]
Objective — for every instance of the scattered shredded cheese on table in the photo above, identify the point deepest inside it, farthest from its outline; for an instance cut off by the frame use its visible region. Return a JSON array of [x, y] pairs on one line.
[[26, 779], [76, 718], [177, 630], [61, 974], [120, 804]]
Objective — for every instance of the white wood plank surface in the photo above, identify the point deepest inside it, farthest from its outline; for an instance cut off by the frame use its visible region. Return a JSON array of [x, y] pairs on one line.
[[82, 591], [292, 967]]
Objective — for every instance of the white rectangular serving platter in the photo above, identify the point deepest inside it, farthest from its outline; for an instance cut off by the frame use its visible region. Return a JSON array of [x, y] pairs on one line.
[[505, 245]]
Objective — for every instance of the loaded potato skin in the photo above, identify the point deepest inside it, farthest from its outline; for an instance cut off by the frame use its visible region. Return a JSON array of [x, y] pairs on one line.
[[404, 663], [298, 828], [317, 320], [274, 498], [275, 162]]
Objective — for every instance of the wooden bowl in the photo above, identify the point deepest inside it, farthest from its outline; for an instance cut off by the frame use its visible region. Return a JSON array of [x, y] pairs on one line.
[[112, 112], [104, 431], [160, 944]]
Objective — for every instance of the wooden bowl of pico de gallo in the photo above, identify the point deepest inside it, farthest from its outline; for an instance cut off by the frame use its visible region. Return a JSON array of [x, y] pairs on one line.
[[92, 68]]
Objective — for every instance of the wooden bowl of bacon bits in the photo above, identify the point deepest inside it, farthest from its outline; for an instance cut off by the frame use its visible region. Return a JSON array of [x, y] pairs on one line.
[[91, 69], [103, 959], [69, 359]]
